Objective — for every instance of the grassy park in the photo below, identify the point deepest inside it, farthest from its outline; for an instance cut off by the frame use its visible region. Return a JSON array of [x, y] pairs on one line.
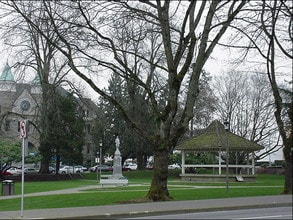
[[139, 182]]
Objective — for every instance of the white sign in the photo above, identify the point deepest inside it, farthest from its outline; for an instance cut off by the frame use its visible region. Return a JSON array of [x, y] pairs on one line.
[[22, 127]]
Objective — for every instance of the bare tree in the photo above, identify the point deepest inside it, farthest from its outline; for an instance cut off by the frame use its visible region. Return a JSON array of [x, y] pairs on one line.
[[32, 52], [246, 102], [265, 38], [83, 29], [270, 15]]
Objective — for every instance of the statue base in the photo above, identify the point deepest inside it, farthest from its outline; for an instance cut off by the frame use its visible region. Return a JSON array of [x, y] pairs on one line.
[[117, 180]]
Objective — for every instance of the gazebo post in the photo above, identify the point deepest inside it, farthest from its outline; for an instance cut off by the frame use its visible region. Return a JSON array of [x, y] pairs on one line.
[[183, 162], [236, 162], [248, 170], [220, 168], [252, 159]]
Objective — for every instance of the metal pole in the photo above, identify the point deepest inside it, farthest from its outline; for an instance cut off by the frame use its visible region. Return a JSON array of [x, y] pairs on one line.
[[97, 166], [23, 134], [227, 166], [100, 162], [226, 125], [22, 177]]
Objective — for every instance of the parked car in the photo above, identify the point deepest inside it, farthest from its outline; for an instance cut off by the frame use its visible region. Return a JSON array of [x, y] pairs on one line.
[[126, 168], [123, 169], [5, 173], [14, 170], [69, 169], [174, 166], [30, 171], [149, 167], [80, 167], [102, 168], [52, 170], [130, 166]]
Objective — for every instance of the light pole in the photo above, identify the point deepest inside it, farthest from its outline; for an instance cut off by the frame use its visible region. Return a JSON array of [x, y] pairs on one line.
[[226, 126], [97, 161], [101, 145]]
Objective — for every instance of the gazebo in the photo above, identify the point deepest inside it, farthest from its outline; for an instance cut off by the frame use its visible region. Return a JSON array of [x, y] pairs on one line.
[[220, 141]]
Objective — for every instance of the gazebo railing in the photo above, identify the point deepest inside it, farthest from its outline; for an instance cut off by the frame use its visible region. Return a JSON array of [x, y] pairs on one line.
[[216, 166]]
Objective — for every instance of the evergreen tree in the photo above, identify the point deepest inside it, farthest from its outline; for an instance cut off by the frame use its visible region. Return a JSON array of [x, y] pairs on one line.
[[65, 138]]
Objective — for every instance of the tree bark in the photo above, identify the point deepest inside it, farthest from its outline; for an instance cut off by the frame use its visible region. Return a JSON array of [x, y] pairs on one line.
[[288, 175], [158, 190]]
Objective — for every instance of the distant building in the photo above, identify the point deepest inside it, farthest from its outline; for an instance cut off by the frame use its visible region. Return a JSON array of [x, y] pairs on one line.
[[20, 101]]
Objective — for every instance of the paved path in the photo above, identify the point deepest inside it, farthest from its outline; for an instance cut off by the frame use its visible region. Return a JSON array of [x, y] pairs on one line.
[[142, 209], [56, 192]]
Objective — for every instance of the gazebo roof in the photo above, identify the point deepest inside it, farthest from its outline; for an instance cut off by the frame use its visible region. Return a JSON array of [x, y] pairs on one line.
[[215, 137]]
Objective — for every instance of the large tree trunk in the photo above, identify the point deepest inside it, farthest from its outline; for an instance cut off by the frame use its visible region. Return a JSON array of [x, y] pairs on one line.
[[45, 125], [287, 142], [285, 133], [58, 160], [139, 157], [46, 159], [159, 190], [288, 165]]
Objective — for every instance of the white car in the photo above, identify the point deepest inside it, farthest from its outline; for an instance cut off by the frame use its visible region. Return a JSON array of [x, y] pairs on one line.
[[80, 167], [174, 166], [69, 169], [14, 170], [130, 166]]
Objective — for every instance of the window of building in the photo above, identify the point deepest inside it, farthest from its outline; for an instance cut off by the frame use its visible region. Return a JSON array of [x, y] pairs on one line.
[[86, 113], [7, 125]]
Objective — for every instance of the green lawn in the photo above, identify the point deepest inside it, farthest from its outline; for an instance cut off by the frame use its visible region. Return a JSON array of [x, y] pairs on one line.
[[264, 185]]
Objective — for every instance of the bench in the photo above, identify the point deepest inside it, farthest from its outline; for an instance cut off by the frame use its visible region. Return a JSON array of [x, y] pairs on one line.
[[103, 176], [118, 182]]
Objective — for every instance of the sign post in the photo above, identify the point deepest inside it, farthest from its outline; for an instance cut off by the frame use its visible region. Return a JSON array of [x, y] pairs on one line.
[[23, 134]]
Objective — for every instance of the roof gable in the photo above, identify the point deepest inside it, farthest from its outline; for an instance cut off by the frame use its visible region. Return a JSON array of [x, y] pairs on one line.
[[215, 138], [26, 96]]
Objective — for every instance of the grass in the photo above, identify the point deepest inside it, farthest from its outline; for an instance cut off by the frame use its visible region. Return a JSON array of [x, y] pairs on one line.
[[264, 185]]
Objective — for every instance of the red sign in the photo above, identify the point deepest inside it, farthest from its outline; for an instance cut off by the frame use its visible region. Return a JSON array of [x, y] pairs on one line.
[[22, 127]]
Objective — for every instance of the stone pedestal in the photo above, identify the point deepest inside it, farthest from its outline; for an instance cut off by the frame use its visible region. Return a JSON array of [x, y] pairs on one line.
[[116, 178]]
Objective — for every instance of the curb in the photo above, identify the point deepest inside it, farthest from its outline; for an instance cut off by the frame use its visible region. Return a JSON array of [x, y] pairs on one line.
[[179, 211]]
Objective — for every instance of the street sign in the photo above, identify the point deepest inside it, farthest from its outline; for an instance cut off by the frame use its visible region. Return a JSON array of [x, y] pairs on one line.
[[23, 125], [23, 130]]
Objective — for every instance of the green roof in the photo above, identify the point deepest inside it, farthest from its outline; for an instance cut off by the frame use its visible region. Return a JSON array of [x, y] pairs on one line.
[[36, 80], [215, 138], [6, 74]]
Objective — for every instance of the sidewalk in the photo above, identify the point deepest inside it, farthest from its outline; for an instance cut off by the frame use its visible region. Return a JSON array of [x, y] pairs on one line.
[[146, 209]]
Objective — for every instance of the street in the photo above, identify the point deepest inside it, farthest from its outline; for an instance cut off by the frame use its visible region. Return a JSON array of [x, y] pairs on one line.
[[261, 213]]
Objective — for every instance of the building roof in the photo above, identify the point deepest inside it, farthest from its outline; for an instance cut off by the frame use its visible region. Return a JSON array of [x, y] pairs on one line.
[[36, 80], [6, 74], [215, 137]]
